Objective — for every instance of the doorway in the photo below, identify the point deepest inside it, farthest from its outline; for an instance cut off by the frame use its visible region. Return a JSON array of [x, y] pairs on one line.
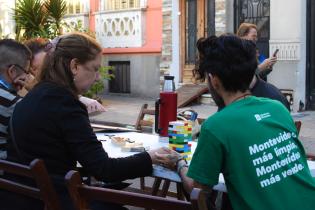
[[197, 20]]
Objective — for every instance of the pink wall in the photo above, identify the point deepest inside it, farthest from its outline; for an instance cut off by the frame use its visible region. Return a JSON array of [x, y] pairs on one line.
[[153, 34], [93, 8]]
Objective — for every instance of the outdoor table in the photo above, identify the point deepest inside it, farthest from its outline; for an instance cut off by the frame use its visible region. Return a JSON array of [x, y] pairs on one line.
[[153, 142]]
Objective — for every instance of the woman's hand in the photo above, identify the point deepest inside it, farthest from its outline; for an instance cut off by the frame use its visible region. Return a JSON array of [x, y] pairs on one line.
[[165, 157], [92, 105], [267, 63]]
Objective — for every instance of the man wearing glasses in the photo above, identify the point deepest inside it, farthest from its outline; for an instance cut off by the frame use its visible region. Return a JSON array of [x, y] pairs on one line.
[[14, 64]]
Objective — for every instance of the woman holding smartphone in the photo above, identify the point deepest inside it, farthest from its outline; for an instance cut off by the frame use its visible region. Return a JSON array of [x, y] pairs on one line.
[[249, 31]]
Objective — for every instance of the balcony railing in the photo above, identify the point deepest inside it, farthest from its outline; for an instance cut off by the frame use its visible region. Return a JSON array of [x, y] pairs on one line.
[[76, 22], [289, 50], [110, 5], [124, 28]]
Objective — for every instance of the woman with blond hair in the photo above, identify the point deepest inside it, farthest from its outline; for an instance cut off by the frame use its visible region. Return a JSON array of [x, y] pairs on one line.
[[248, 31]]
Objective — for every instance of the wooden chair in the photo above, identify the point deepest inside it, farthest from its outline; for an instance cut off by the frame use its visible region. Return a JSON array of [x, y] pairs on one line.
[[143, 125], [36, 171], [298, 125], [141, 122], [81, 194]]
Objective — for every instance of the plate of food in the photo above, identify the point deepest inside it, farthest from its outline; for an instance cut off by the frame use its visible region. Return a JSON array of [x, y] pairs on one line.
[[127, 144], [119, 141]]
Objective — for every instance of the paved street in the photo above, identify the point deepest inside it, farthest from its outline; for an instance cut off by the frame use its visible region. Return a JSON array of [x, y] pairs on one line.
[[124, 110]]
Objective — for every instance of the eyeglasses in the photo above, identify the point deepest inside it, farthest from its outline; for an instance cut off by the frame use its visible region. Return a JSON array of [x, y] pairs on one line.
[[20, 67]]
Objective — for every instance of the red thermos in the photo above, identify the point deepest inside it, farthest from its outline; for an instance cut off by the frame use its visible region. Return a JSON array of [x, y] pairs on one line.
[[166, 106]]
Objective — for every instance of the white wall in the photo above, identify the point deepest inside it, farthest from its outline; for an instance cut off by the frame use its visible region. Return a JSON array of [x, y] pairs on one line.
[[229, 11], [174, 67], [6, 18], [288, 33]]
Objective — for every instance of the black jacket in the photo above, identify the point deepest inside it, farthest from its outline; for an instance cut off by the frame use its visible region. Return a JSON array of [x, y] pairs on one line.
[[51, 124], [267, 90]]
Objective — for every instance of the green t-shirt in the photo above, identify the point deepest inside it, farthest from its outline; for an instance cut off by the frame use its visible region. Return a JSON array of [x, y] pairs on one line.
[[254, 143]]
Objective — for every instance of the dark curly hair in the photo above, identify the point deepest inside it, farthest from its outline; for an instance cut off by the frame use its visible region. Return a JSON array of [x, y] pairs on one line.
[[230, 58]]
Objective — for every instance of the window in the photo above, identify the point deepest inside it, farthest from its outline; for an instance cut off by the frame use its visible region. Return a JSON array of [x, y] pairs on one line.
[[121, 4], [74, 6], [70, 8], [78, 7]]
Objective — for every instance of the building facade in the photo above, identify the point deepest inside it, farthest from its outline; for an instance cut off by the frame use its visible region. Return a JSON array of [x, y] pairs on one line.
[[147, 39], [287, 25], [130, 32], [7, 23]]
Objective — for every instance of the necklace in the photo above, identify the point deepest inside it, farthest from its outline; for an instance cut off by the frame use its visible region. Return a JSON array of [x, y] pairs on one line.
[[241, 97]]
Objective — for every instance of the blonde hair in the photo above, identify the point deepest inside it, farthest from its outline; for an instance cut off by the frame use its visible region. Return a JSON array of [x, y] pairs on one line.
[[244, 29]]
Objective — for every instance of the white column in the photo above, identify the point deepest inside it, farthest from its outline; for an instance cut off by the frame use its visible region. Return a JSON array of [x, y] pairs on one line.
[[143, 3], [229, 11], [288, 33], [86, 6], [175, 67], [7, 21]]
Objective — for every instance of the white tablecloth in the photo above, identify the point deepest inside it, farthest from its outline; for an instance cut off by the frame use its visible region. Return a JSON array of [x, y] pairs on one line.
[[154, 142]]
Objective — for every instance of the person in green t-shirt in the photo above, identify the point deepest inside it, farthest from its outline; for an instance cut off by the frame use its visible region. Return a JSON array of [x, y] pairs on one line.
[[253, 141]]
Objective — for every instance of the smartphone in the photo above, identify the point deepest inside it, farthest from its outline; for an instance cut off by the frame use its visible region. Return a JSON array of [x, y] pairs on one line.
[[275, 53]]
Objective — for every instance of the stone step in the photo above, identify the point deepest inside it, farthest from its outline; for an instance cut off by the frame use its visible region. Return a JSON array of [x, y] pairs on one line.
[[188, 80], [188, 73]]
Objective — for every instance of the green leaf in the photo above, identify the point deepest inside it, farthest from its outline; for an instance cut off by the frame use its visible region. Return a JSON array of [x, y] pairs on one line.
[[106, 73], [56, 10], [30, 15], [39, 18]]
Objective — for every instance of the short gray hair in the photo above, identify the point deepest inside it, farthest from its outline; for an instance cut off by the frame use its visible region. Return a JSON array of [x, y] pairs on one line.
[[13, 52]]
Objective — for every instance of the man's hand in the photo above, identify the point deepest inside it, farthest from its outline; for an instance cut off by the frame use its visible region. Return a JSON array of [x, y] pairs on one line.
[[92, 105], [30, 82], [19, 82]]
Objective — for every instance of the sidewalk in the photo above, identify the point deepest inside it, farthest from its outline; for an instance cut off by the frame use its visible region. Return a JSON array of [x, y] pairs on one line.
[[125, 109]]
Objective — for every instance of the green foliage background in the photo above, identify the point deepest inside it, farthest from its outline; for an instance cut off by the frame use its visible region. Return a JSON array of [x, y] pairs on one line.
[[44, 19], [106, 73], [39, 18]]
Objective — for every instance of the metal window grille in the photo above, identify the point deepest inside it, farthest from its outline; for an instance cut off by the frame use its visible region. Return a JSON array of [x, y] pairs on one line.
[[256, 12]]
